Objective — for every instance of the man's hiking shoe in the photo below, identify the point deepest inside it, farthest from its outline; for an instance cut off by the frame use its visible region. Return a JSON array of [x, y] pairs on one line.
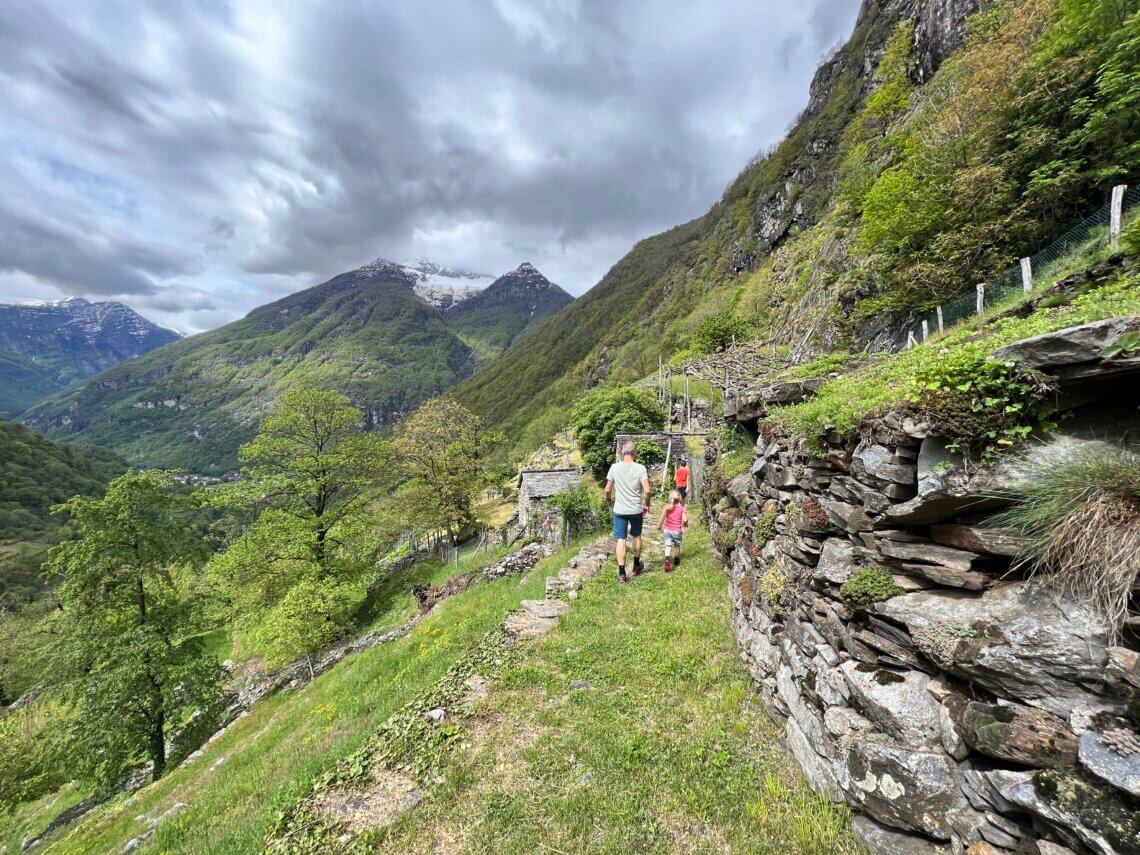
[[668, 566], [622, 577], [637, 567]]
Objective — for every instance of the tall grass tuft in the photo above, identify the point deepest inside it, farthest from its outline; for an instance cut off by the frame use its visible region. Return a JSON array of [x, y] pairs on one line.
[[1080, 519]]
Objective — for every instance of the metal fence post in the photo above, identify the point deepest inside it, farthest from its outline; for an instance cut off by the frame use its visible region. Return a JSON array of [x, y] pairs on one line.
[[1026, 275], [941, 326], [1116, 214], [981, 298], [925, 329]]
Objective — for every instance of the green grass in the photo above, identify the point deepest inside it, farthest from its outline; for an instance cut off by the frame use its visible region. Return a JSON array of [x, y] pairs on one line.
[[668, 751], [842, 403], [273, 753]]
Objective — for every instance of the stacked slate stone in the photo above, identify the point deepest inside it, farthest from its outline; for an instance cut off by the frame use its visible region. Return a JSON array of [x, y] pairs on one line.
[[954, 704]]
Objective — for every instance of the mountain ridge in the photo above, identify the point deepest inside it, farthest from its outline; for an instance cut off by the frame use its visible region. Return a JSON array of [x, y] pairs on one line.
[[492, 319], [367, 333], [46, 347]]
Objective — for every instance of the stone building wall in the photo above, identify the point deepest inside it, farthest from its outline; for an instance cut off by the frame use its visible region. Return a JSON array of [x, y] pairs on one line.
[[535, 487], [974, 710]]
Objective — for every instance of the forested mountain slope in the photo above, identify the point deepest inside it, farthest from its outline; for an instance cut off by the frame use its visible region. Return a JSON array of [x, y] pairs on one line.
[[939, 144], [191, 404], [490, 320], [36, 473], [49, 346]]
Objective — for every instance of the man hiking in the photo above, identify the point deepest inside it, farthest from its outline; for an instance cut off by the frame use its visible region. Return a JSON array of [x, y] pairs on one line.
[[627, 492], [681, 480]]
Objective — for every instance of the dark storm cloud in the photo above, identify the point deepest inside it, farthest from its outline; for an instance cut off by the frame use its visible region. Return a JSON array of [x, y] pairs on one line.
[[230, 151]]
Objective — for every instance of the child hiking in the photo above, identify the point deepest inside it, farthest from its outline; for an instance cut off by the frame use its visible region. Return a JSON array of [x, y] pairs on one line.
[[674, 522], [628, 493]]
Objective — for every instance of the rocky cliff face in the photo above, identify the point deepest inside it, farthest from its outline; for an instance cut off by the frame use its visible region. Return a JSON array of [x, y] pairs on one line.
[[954, 704], [939, 30]]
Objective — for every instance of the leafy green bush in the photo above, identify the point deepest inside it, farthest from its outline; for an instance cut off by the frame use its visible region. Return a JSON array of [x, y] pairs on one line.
[[649, 452], [1130, 238], [581, 507], [869, 585], [606, 412], [1079, 519], [981, 405], [716, 332]]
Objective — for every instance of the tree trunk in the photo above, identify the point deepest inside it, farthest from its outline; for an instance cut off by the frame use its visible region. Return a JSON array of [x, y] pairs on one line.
[[157, 745]]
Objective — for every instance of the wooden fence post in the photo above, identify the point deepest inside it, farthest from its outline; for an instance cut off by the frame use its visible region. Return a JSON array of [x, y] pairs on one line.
[[941, 326], [1116, 214], [910, 342], [1026, 275], [925, 329], [981, 298]]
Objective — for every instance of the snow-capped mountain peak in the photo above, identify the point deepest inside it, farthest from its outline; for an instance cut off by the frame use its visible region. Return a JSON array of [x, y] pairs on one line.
[[445, 287]]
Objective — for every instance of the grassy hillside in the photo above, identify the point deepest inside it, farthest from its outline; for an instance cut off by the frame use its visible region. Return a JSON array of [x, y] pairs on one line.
[[674, 745], [901, 186], [36, 473], [192, 403]]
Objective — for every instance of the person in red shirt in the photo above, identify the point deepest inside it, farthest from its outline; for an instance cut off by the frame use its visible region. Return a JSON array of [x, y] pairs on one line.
[[681, 480]]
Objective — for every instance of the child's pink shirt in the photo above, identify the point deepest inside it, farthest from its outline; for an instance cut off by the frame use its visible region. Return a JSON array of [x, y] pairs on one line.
[[674, 516]]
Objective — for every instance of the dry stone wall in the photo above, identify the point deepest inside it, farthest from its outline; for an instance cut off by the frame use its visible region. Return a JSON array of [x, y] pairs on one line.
[[972, 709]]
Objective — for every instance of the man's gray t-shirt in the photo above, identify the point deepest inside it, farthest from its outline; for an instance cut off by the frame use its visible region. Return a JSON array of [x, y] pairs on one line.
[[627, 479]]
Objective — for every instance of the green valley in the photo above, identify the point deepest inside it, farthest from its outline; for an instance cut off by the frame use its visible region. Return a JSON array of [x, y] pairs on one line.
[[191, 404]]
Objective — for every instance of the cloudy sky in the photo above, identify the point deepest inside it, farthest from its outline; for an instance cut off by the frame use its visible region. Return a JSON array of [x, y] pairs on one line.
[[196, 159]]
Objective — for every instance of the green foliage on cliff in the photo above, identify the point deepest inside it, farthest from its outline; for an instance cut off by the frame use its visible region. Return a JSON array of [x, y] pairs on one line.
[[888, 381], [887, 195]]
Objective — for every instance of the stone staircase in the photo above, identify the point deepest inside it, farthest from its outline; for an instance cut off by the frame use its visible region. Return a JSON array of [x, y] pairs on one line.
[[538, 617]]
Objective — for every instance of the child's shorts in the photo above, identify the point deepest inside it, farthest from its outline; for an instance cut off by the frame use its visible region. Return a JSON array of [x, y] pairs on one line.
[[672, 538]]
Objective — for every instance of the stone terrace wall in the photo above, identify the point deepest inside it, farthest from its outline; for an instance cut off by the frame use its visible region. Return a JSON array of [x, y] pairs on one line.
[[974, 710]]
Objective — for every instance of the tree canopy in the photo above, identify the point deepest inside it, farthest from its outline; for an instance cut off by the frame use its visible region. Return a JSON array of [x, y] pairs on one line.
[[606, 412], [133, 619]]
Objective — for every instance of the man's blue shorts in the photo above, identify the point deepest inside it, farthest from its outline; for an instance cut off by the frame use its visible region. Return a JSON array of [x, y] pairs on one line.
[[627, 525]]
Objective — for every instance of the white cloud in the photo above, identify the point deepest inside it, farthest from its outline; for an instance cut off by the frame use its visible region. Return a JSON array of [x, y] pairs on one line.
[[198, 159]]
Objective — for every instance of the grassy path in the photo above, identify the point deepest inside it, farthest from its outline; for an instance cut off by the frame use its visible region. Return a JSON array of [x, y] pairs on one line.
[[631, 727]]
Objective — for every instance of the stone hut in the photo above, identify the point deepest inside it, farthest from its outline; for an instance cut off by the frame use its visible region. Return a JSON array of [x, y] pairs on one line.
[[535, 487]]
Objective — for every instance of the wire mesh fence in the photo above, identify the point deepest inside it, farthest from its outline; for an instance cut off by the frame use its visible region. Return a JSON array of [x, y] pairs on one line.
[[1067, 254]]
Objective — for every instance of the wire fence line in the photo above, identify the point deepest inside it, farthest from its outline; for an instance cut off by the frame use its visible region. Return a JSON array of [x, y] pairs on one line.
[[1095, 233]]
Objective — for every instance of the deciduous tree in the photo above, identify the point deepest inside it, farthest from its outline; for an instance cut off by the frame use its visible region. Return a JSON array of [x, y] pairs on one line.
[[295, 576], [442, 448], [132, 621]]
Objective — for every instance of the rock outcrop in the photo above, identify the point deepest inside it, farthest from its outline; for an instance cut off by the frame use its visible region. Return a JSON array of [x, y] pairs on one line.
[[956, 705]]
